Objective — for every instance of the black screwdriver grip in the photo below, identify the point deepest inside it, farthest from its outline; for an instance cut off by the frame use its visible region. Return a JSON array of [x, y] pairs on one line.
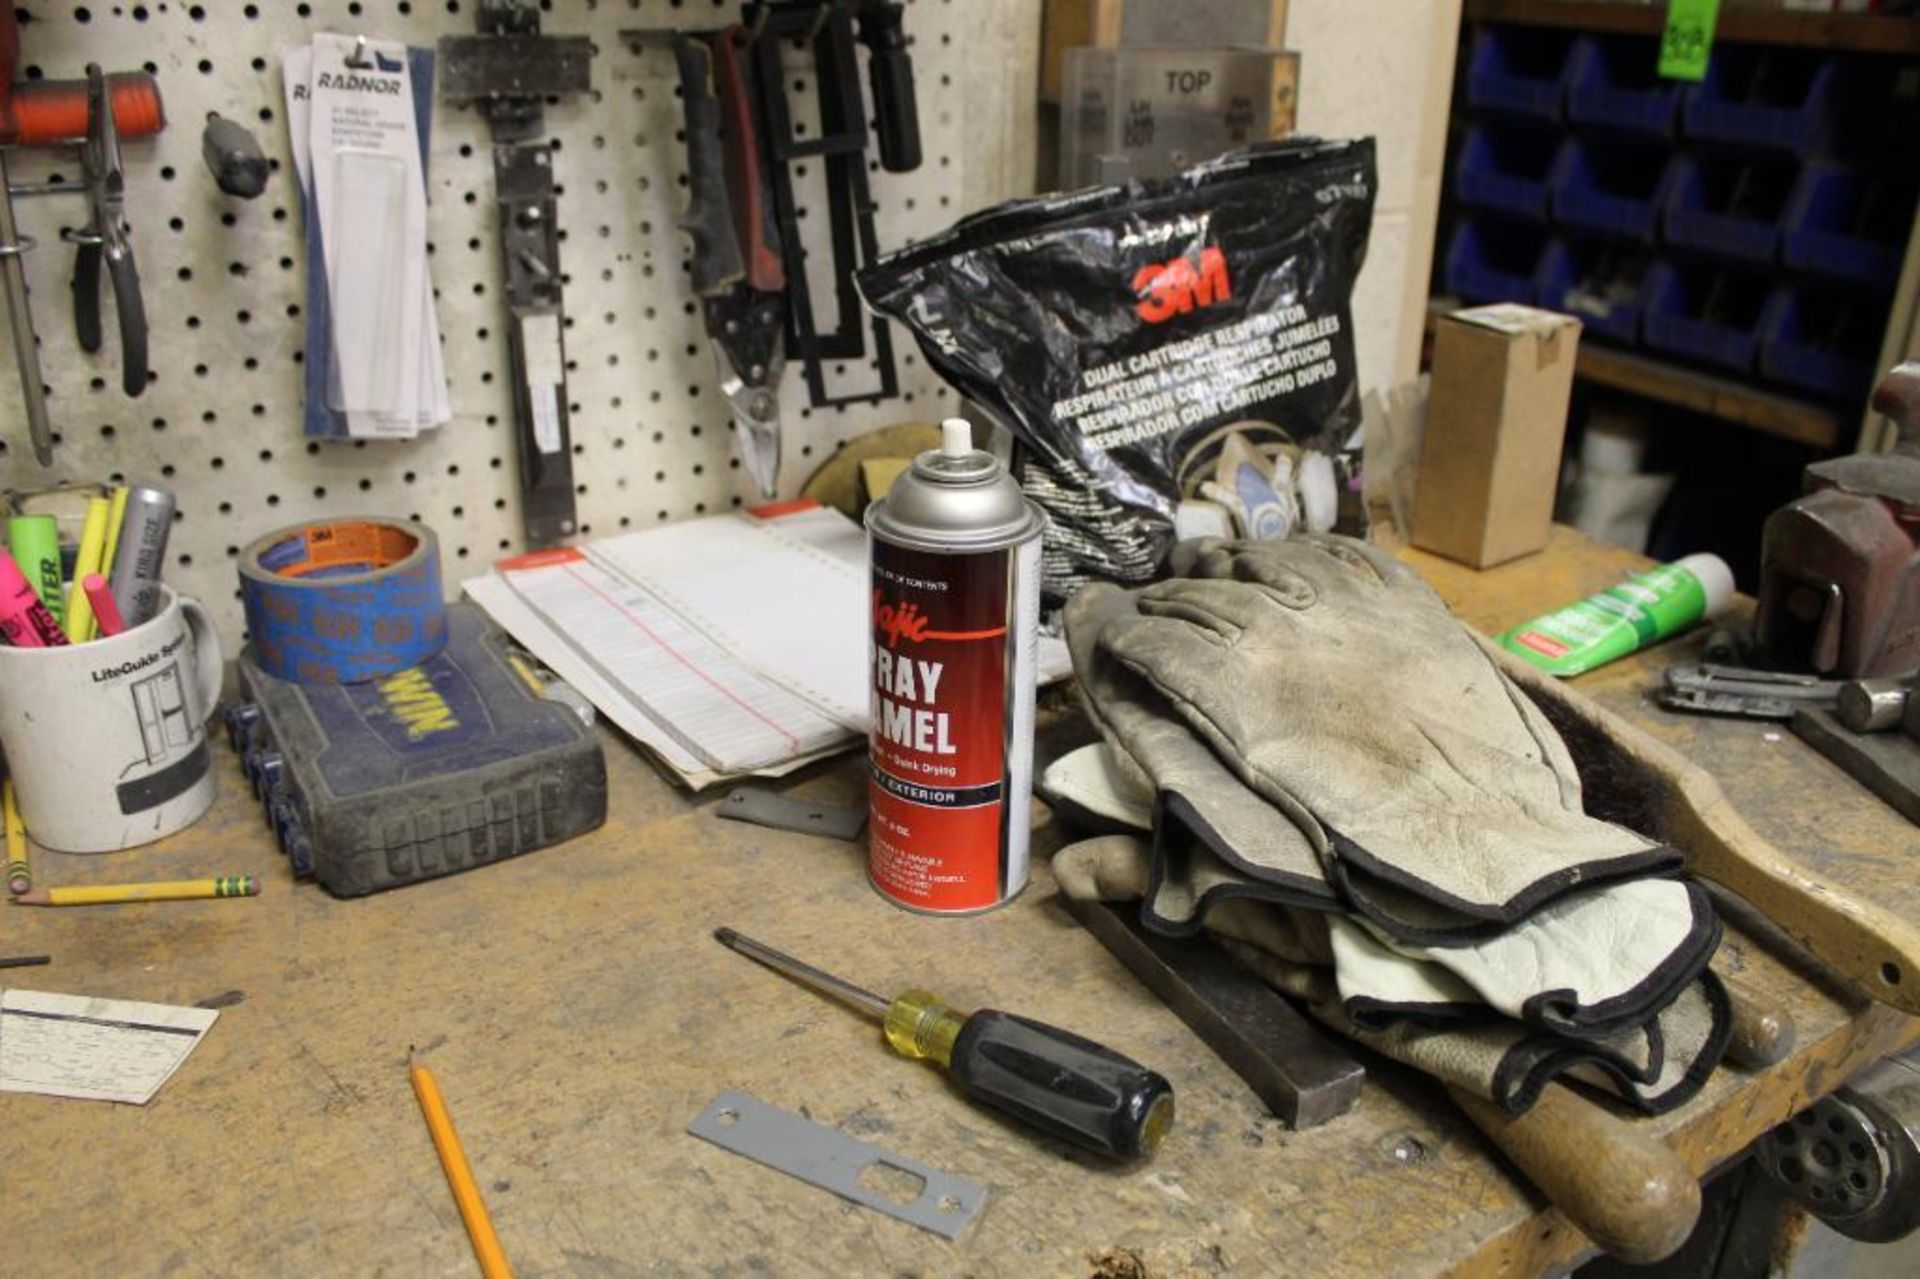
[[234, 157], [898, 111], [890, 76], [1071, 1087]]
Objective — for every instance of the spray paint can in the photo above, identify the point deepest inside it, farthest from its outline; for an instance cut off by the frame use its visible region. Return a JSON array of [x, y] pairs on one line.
[[955, 555]]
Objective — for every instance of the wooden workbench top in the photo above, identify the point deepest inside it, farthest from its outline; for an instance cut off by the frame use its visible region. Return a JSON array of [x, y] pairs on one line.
[[578, 1017]]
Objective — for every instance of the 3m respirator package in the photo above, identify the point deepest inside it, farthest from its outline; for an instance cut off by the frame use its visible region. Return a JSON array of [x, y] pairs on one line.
[[1126, 333]]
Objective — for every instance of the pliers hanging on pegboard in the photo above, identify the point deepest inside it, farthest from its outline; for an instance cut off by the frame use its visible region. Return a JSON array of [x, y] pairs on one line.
[[105, 239]]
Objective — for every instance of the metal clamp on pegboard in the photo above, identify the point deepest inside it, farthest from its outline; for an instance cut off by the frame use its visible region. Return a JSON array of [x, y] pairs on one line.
[[511, 70]]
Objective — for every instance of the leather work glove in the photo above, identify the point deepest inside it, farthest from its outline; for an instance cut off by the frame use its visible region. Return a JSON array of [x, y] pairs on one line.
[[1330, 679], [1213, 838], [1582, 965], [1652, 1064]]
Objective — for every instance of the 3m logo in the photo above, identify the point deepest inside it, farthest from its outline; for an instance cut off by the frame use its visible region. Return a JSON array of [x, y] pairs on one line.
[[1167, 289]]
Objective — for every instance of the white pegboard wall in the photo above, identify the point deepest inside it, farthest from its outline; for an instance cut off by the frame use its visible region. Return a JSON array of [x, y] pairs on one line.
[[224, 282]]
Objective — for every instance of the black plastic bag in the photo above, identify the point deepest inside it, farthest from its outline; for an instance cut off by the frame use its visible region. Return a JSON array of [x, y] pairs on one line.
[[1116, 330]]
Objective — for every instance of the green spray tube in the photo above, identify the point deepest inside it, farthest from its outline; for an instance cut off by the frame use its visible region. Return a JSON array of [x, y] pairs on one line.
[[1644, 609]]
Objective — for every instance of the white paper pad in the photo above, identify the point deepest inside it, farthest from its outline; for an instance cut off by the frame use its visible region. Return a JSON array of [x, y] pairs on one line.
[[785, 604], [715, 707], [532, 632], [94, 1049]]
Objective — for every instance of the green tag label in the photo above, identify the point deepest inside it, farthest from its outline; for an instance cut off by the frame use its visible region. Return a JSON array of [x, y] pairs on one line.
[[1688, 42]]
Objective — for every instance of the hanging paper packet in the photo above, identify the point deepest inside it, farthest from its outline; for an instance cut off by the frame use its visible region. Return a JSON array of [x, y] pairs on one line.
[[373, 366], [1116, 329]]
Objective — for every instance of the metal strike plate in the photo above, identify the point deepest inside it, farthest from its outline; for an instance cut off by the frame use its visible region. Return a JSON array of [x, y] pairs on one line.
[[768, 808], [834, 1161]]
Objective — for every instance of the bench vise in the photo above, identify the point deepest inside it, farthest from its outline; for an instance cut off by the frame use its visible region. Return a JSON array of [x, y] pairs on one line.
[[1840, 565]]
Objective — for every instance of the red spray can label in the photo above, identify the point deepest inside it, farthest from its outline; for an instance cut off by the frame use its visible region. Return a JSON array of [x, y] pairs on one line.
[[955, 612]]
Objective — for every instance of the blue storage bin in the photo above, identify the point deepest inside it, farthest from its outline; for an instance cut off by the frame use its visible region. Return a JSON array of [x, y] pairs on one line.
[[1614, 82], [1494, 259], [1850, 224], [1729, 207], [1601, 283], [1519, 69], [1757, 96], [1705, 312], [1508, 167], [1612, 188], [1822, 340]]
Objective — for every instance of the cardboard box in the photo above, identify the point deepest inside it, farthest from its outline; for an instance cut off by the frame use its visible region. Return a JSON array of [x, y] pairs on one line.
[[1496, 422], [1110, 24]]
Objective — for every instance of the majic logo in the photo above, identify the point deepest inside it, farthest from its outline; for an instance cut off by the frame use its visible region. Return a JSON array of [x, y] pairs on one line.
[[899, 621]]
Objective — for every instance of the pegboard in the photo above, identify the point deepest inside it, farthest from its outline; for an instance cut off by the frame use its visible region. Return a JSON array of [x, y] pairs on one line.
[[224, 282]]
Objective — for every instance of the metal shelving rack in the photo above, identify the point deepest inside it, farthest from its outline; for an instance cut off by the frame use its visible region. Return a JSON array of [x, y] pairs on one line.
[[1806, 421]]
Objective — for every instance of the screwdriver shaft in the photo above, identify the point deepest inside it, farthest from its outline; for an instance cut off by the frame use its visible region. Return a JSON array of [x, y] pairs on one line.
[[806, 974]]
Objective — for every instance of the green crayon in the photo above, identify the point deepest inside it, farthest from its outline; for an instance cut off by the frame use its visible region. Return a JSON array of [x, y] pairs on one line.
[[35, 543]]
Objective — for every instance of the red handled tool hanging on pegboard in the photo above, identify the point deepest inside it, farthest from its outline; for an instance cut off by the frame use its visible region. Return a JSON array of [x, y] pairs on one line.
[[743, 149], [95, 114]]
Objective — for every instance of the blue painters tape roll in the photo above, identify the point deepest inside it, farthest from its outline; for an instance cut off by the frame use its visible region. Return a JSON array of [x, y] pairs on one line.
[[343, 601]]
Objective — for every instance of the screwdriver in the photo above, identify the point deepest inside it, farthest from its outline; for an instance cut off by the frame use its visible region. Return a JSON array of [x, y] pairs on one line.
[[1062, 1084]]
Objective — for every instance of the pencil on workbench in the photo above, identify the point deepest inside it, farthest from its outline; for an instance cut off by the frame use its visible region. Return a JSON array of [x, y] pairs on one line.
[[453, 1160], [19, 870], [178, 890]]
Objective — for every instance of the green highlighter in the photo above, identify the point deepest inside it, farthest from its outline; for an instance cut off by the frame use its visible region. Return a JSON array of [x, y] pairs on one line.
[[35, 543]]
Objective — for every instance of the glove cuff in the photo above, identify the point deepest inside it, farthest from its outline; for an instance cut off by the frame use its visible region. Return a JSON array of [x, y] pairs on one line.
[[1195, 867]]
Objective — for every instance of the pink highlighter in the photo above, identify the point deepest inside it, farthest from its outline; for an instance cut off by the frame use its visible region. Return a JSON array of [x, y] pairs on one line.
[[24, 620], [106, 609]]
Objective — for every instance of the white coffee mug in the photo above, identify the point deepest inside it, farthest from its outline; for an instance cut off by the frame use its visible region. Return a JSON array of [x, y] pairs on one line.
[[107, 741]]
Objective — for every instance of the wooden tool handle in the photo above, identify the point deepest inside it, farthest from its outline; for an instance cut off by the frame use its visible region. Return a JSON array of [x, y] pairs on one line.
[[1762, 1036], [1871, 947], [1621, 1187], [1864, 943]]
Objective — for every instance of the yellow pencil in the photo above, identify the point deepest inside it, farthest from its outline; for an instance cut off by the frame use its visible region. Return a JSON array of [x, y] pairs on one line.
[[93, 545], [177, 890], [19, 870], [453, 1158], [116, 516]]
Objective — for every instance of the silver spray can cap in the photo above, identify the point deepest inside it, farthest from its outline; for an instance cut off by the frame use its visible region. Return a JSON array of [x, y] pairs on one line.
[[955, 497]]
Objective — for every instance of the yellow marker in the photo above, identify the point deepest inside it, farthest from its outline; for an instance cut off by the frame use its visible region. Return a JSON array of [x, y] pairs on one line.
[[93, 545], [116, 516], [19, 871], [453, 1159], [177, 890]]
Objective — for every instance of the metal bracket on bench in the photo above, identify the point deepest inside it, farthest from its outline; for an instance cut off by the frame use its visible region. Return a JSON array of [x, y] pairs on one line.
[[834, 1161]]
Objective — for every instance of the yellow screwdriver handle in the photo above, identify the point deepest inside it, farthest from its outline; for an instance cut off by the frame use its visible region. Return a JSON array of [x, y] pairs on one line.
[[921, 1026]]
